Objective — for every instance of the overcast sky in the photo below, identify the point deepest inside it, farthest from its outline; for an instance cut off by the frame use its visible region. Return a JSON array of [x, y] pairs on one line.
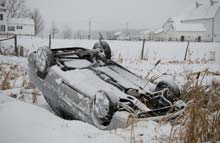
[[108, 14]]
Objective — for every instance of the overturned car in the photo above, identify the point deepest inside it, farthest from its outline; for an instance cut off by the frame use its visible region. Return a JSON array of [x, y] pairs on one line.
[[85, 84]]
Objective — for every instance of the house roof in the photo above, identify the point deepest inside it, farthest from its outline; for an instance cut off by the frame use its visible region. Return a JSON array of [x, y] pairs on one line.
[[146, 32], [118, 33], [186, 27], [202, 9], [22, 21], [172, 20], [175, 19], [159, 31]]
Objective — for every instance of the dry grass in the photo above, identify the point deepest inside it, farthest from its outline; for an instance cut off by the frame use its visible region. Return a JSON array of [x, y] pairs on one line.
[[201, 119], [9, 75], [120, 59], [5, 84], [34, 96], [133, 125]]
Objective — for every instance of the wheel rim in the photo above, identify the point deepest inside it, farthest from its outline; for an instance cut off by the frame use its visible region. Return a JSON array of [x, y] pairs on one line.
[[41, 59], [101, 105]]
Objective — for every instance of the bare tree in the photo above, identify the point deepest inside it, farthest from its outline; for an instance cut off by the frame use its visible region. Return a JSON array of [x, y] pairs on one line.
[[38, 21], [67, 33], [54, 30], [17, 8]]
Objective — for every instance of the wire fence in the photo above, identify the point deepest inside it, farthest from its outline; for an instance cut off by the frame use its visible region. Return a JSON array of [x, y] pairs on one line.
[[9, 46]]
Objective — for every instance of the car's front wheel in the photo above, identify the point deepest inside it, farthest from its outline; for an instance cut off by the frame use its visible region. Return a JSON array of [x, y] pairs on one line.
[[44, 59], [103, 109]]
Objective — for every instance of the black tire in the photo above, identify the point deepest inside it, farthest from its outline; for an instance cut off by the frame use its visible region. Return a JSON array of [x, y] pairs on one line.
[[105, 120], [104, 48], [171, 85], [44, 59]]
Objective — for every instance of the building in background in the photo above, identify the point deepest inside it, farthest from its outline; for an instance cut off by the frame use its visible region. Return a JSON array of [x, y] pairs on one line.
[[147, 35], [120, 36], [206, 12], [199, 22], [175, 30], [12, 26]]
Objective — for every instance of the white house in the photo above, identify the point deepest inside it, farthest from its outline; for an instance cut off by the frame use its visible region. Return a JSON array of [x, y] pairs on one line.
[[175, 30], [120, 36], [18, 26], [147, 34], [206, 12]]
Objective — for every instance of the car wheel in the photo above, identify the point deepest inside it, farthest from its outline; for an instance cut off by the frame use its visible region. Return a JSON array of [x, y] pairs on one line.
[[44, 59], [172, 86], [104, 49], [103, 109]]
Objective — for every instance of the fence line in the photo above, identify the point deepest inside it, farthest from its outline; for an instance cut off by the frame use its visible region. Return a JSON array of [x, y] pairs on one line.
[[15, 43]]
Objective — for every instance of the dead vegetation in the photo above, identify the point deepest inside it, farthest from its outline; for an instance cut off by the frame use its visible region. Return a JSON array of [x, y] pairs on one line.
[[7, 75], [200, 121], [5, 81], [15, 82]]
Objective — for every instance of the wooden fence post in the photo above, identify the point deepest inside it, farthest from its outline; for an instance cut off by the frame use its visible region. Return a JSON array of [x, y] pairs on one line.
[[50, 41], [186, 51], [16, 47], [21, 49], [142, 50]]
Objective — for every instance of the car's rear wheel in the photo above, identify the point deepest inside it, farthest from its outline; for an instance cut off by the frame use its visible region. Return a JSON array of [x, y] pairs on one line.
[[44, 59], [104, 49], [174, 91]]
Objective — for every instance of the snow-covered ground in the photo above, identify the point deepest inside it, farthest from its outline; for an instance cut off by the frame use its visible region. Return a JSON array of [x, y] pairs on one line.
[[131, 50], [21, 120], [25, 123], [180, 72]]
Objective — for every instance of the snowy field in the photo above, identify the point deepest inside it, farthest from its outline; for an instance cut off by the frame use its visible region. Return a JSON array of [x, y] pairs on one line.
[[27, 118], [131, 50], [24, 120]]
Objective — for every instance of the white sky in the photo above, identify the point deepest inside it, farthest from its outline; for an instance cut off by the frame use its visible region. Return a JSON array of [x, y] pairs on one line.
[[108, 14]]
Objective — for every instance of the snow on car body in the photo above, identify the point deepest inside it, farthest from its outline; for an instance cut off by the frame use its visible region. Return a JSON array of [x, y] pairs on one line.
[[87, 85]]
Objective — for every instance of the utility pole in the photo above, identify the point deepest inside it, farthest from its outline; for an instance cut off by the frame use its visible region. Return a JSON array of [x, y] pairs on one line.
[[90, 23], [127, 33], [213, 27], [127, 28]]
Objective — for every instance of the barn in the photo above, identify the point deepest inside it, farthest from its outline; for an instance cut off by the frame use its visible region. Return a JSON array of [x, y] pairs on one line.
[[18, 26], [206, 12], [199, 22], [175, 30]]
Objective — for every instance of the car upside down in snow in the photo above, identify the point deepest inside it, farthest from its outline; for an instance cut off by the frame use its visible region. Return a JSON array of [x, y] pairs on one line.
[[85, 84]]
